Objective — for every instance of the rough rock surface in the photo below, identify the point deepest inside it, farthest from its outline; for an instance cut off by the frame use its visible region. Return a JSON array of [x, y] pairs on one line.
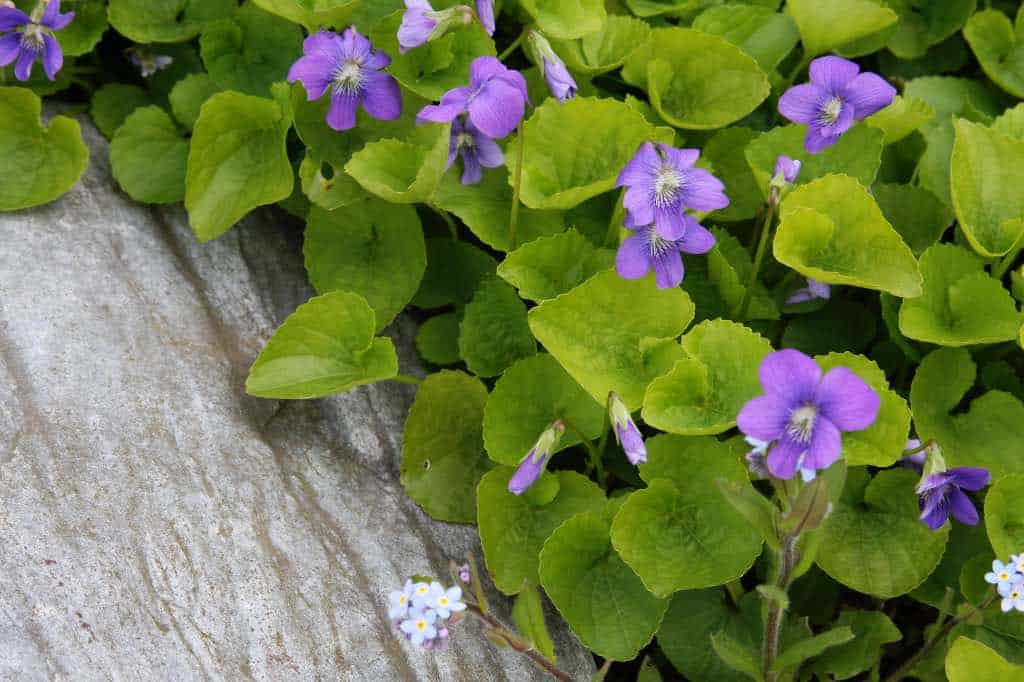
[[156, 523]]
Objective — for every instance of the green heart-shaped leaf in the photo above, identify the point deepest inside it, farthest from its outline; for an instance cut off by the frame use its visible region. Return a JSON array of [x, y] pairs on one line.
[[326, 346], [529, 396], [600, 597], [236, 161], [149, 156], [878, 545], [442, 446], [513, 529], [562, 168], [707, 388], [832, 230], [679, 533], [370, 248], [604, 333], [40, 163]]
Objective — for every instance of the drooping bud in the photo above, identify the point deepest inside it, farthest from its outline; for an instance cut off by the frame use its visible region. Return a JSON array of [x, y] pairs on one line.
[[533, 465], [421, 23], [560, 82], [784, 175], [626, 432]]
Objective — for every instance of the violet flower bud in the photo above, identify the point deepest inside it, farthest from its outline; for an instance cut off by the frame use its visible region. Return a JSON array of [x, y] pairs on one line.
[[533, 465]]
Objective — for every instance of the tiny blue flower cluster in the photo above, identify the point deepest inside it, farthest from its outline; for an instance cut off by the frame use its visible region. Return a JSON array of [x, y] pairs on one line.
[[421, 611], [1009, 581]]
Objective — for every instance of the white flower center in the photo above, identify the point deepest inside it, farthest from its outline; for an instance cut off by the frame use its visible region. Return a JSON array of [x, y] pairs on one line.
[[464, 141], [667, 182], [657, 244], [801, 423], [1004, 576], [443, 601], [421, 624], [403, 599], [830, 112], [32, 37], [348, 78]]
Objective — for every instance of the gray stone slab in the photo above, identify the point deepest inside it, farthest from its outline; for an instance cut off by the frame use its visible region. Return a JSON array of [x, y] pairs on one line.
[[158, 524]]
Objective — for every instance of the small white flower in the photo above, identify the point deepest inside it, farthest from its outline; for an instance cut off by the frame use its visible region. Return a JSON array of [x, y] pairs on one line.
[[1013, 596], [420, 626], [449, 601], [1001, 575], [420, 592], [1018, 562], [399, 601]]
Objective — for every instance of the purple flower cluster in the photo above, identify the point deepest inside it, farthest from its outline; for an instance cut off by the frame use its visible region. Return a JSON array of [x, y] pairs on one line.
[[1009, 581], [495, 99], [803, 413], [30, 39], [490, 107], [661, 183], [348, 67], [837, 96]]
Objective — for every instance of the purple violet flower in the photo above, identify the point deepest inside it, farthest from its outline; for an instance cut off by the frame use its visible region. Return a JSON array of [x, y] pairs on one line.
[[837, 95], [350, 68], [805, 413], [476, 149], [485, 11], [465, 574], [532, 466], [647, 249], [660, 182], [942, 493], [626, 432], [495, 99], [421, 23], [31, 38], [813, 291]]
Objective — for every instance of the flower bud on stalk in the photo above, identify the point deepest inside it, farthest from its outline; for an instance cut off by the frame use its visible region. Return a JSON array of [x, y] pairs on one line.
[[532, 466]]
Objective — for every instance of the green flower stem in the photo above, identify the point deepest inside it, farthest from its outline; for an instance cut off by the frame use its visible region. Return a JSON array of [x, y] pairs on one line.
[[611, 238], [517, 643], [478, 589], [406, 379], [735, 590], [740, 313], [595, 453], [999, 269], [514, 221], [515, 43], [921, 448], [605, 430], [908, 665], [787, 559]]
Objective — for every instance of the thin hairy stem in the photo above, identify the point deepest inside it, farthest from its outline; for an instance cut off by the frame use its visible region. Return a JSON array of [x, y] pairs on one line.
[[940, 635], [787, 560], [517, 643], [762, 245], [514, 220]]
